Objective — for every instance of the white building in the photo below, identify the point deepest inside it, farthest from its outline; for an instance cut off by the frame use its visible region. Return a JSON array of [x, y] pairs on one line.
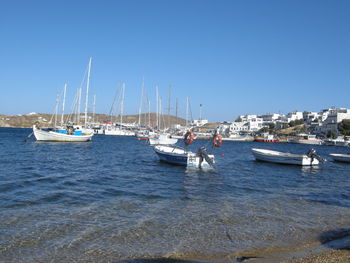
[[270, 117], [255, 124], [310, 117], [293, 116], [335, 116], [329, 119], [199, 123], [237, 127], [248, 117]]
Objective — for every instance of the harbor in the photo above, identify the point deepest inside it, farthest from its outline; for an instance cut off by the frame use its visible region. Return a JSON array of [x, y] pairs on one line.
[[175, 131], [111, 199]]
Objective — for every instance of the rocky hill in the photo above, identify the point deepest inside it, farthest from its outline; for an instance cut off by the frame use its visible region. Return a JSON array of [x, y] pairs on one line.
[[26, 121]]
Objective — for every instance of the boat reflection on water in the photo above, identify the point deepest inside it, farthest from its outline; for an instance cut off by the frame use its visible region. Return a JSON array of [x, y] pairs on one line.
[[310, 170]]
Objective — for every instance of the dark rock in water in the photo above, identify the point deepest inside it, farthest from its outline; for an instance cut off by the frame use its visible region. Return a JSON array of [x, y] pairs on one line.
[[241, 259]]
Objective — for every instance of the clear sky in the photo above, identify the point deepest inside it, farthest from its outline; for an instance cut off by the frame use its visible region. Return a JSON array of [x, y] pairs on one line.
[[234, 57]]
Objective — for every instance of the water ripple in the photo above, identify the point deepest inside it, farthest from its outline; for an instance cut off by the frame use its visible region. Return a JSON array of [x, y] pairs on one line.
[[112, 200]]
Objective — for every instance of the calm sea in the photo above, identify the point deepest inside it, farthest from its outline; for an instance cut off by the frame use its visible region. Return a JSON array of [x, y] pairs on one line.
[[111, 200]]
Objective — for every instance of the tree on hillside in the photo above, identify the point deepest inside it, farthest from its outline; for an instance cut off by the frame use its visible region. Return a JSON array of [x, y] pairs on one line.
[[296, 122], [344, 127], [332, 134]]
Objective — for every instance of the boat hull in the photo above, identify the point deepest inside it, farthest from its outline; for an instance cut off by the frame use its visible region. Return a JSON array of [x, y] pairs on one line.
[[51, 136], [178, 156], [309, 142], [345, 158], [118, 132], [239, 139], [162, 139], [283, 158], [267, 140]]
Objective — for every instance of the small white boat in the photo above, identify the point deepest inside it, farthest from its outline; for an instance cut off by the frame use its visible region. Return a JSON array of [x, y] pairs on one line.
[[235, 137], [339, 157], [61, 135], [118, 132], [162, 139], [307, 139], [179, 156], [339, 141], [286, 158]]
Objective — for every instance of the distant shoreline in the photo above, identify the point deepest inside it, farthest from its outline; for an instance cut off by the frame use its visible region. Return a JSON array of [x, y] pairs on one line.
[[27, 121]]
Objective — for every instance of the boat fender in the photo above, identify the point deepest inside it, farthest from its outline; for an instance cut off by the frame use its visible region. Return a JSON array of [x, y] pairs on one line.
[[217, 140], [188, 138]]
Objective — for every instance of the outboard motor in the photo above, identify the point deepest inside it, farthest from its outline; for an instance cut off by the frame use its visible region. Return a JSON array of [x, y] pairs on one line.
[[312, 154], [203, 155]]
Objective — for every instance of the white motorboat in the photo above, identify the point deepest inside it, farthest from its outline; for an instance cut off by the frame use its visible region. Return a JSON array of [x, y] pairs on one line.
[[162, 139], [311, 158], [180, 156], [61, 135], [112, 130], [339, 141], [307, 139], [339, 157], [235, 137]]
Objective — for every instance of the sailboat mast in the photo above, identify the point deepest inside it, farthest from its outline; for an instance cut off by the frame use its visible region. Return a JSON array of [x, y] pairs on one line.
[[78, 109], [122, 105], [64, 101], [140, 107], [149, 113], [87, 91], [177, 108], [56, 110], [169, 102], [160, 111], [157, 110], [186, 112], [94, 109]]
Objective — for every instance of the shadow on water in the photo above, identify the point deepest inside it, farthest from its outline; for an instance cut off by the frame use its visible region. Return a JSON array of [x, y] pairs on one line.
[[157, 260], [336, 239]]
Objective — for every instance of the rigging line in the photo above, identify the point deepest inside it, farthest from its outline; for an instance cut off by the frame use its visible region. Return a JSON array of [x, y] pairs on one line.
[[73, 107], [111, 111]]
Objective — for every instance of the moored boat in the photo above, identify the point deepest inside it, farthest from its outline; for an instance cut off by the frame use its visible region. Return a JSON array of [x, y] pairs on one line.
[[180, 156], [311, 158], [339, 141], [306, 139], [339, 157], [61, 135], [236, 137], [269, 138], [162, 139]]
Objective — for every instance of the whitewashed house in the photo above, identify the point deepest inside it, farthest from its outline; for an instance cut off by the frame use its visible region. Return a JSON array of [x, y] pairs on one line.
[[199, 123]]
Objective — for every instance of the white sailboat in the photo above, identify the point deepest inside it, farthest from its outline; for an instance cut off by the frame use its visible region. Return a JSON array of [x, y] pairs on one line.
[[162, 139], [61, 135], [69, 133], [119, 130]]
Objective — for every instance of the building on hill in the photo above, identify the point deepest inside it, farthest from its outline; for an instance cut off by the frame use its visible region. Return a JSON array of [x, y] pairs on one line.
[[199, 123], [328, 120]]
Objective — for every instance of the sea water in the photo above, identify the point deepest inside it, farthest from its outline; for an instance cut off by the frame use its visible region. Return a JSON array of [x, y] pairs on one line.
[[111, 200]]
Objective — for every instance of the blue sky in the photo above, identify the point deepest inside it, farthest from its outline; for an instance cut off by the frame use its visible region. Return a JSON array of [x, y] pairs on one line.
[[234, 57]]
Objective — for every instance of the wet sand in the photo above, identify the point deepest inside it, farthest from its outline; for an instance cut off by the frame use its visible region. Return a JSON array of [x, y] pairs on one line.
[[333, 256]]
